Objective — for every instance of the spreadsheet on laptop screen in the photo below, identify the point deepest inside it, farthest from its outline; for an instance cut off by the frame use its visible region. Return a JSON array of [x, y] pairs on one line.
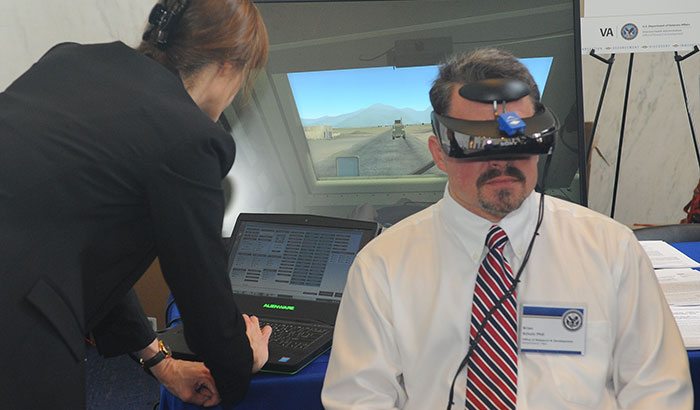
[[292, 261]]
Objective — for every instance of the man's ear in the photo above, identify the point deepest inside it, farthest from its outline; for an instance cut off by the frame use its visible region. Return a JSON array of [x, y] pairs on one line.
[[439, 156]]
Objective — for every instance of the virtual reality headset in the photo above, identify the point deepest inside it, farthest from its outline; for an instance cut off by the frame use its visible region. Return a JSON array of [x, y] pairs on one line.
[[507, 136]]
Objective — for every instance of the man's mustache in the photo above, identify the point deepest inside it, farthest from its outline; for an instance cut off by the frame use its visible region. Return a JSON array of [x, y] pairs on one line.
[[510, 171]]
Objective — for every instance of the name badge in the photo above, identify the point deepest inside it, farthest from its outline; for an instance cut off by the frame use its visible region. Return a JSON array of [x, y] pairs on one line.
[[548, 329]]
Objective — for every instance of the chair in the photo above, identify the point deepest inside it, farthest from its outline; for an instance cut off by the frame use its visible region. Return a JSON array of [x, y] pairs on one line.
[[392, 214], [669, 233], [387, 215]]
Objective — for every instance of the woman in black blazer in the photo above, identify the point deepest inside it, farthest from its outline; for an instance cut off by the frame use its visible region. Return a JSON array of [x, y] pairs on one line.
[[109, 157]]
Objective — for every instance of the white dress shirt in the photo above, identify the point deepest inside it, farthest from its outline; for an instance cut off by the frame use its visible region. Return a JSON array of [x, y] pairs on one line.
[[403, 324]]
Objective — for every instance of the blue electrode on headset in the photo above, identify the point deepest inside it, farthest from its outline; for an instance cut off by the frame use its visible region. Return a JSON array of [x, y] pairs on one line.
[[507, 136], [510, 123]]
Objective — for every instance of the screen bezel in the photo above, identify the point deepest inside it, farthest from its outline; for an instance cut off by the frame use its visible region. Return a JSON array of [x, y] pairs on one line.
[[368, 229]]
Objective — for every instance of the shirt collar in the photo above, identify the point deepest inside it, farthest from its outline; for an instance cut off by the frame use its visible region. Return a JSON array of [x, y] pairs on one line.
[[470, 229]]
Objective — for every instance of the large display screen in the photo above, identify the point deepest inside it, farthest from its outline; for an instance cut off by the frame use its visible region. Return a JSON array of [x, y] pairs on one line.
[[374, 102], [352, 78]]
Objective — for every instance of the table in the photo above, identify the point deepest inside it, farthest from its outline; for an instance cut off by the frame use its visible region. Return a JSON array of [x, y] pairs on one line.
[[303, 390], [267, 390], [692, 249]]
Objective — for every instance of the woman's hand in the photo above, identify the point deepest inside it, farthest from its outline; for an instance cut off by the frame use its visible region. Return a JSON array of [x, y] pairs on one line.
[[191, 382], [259, 339]]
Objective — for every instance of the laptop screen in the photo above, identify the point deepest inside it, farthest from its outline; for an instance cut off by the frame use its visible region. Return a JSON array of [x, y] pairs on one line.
[[295, 256]]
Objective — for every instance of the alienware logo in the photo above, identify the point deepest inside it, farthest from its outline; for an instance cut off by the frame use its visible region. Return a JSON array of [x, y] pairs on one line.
[[572, 320], [629, 31]]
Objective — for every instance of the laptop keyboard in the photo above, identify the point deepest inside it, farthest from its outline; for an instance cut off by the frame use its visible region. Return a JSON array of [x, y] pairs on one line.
[[295, 335]]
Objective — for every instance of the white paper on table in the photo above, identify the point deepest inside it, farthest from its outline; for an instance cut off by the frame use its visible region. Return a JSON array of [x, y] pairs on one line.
[[677, 275], [663, 255], [688, 320], [682, 291]]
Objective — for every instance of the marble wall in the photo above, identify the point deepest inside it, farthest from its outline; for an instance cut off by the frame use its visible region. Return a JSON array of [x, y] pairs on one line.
[[659, 167], [658, 170]]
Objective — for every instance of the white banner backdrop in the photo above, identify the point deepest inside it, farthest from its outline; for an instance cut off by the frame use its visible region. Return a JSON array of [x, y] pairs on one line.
[[633, 26]]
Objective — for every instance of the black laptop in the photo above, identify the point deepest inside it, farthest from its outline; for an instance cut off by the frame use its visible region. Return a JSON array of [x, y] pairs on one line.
[[289, 270]]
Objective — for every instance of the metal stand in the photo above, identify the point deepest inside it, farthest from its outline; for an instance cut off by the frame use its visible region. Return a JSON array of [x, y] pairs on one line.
[[678, 58], [609, 62], [622, 134]]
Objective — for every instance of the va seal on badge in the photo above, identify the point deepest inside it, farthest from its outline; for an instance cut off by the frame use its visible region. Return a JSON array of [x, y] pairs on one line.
[[629, 31], [572, 320]]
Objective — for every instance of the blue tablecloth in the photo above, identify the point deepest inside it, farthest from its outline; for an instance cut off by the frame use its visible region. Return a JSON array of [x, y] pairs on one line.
[[267, 391], [303, 390]]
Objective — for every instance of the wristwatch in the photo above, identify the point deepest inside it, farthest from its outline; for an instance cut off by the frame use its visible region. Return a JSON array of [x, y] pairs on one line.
[[163, 353]]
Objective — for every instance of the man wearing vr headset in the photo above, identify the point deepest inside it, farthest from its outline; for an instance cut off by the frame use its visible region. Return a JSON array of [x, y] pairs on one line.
[[571, 315]]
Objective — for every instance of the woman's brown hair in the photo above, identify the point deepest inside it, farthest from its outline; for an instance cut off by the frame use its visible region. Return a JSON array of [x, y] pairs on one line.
[[213, 31]]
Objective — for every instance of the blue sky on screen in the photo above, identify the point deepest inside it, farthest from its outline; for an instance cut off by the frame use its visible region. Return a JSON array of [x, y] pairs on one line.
[[335, 92]]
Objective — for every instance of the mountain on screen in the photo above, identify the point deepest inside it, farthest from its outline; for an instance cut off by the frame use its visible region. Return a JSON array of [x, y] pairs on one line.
[[372, 116]]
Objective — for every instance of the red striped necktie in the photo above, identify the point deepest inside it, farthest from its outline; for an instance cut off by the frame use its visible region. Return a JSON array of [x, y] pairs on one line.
[[492, 375]]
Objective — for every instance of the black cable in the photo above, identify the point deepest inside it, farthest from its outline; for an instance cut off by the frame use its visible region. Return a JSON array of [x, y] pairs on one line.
[[377, 56], [170, 304], [509, 292]]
